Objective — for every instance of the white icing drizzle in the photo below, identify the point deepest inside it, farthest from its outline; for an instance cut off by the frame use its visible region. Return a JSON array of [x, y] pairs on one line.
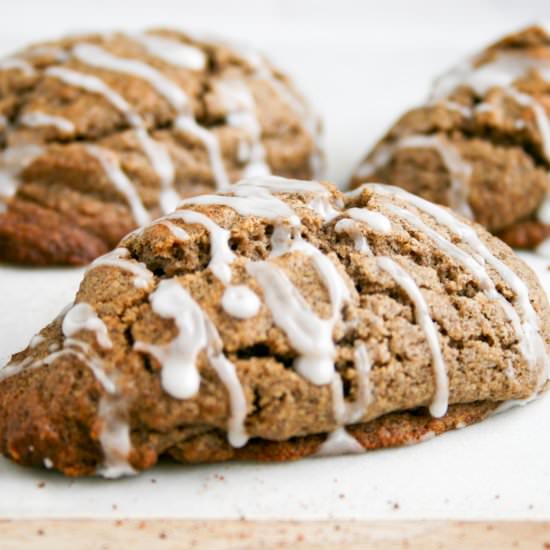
[[48, 464], [339, 442], [95, 56], [64, 310], [36, 340], [237, 99], [186, 123], [375, 220], [337, 286], [465, 111], [81, 350], [474, 265], [512, 403], [339, 408], [459, 170], [502, 71], [310, 335], [59, 54], [115, 440], [281, 239], [109, 163], [536, 351], [196, 332], [155, 151], [541, 118], [248, 200], [120, 258], [95, 85], [322, 207], [253, 197], [351, 412], [440, 400], [16, 63], [173, 52], [363, 365], [221, 256], [485, 108], [279, 184], [82, 316], [352, 229], [179, 375], [38, 119], [164, 167], [177, 232], [13, 161], [263, 72], [241, 302], [236, 430]]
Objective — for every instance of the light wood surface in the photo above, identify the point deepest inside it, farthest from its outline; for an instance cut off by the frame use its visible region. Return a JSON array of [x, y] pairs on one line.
[[183, 534]]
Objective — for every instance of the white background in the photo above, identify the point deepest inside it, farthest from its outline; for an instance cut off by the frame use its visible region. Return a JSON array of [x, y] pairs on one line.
[[362, 63]]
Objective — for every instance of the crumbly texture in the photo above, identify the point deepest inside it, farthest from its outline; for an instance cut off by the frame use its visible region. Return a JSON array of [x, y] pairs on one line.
[[50, 409], [66, 209], [496, 134]]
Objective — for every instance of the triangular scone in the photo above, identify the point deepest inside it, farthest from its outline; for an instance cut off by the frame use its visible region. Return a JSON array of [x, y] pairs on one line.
[[481, 142], [278, 320], [102, 133]]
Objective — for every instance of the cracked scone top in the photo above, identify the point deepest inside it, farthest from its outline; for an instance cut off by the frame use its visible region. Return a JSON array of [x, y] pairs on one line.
[[102, 133], [278, 319], [481, 144]]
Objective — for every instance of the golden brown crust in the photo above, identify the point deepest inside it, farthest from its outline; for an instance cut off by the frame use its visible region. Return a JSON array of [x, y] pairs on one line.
[[50, 405], [525, 234], [33, 235], [391, 430]]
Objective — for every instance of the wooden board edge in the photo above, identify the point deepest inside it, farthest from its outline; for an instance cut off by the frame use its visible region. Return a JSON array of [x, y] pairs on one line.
[[220, 534]]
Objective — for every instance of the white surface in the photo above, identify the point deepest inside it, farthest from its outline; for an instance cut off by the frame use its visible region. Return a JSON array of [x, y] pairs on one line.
[[362, 63]]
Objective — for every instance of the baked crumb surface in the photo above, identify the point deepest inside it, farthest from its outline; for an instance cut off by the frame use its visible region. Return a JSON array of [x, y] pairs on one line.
[[275, 320]]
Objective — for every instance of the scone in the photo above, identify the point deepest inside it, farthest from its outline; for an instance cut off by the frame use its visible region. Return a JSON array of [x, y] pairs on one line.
[[273, 321], [100, 134], [481, 144]]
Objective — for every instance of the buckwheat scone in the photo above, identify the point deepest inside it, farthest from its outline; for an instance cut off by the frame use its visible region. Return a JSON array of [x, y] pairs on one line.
[[273, 321], [482, 143], [102, 133]]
